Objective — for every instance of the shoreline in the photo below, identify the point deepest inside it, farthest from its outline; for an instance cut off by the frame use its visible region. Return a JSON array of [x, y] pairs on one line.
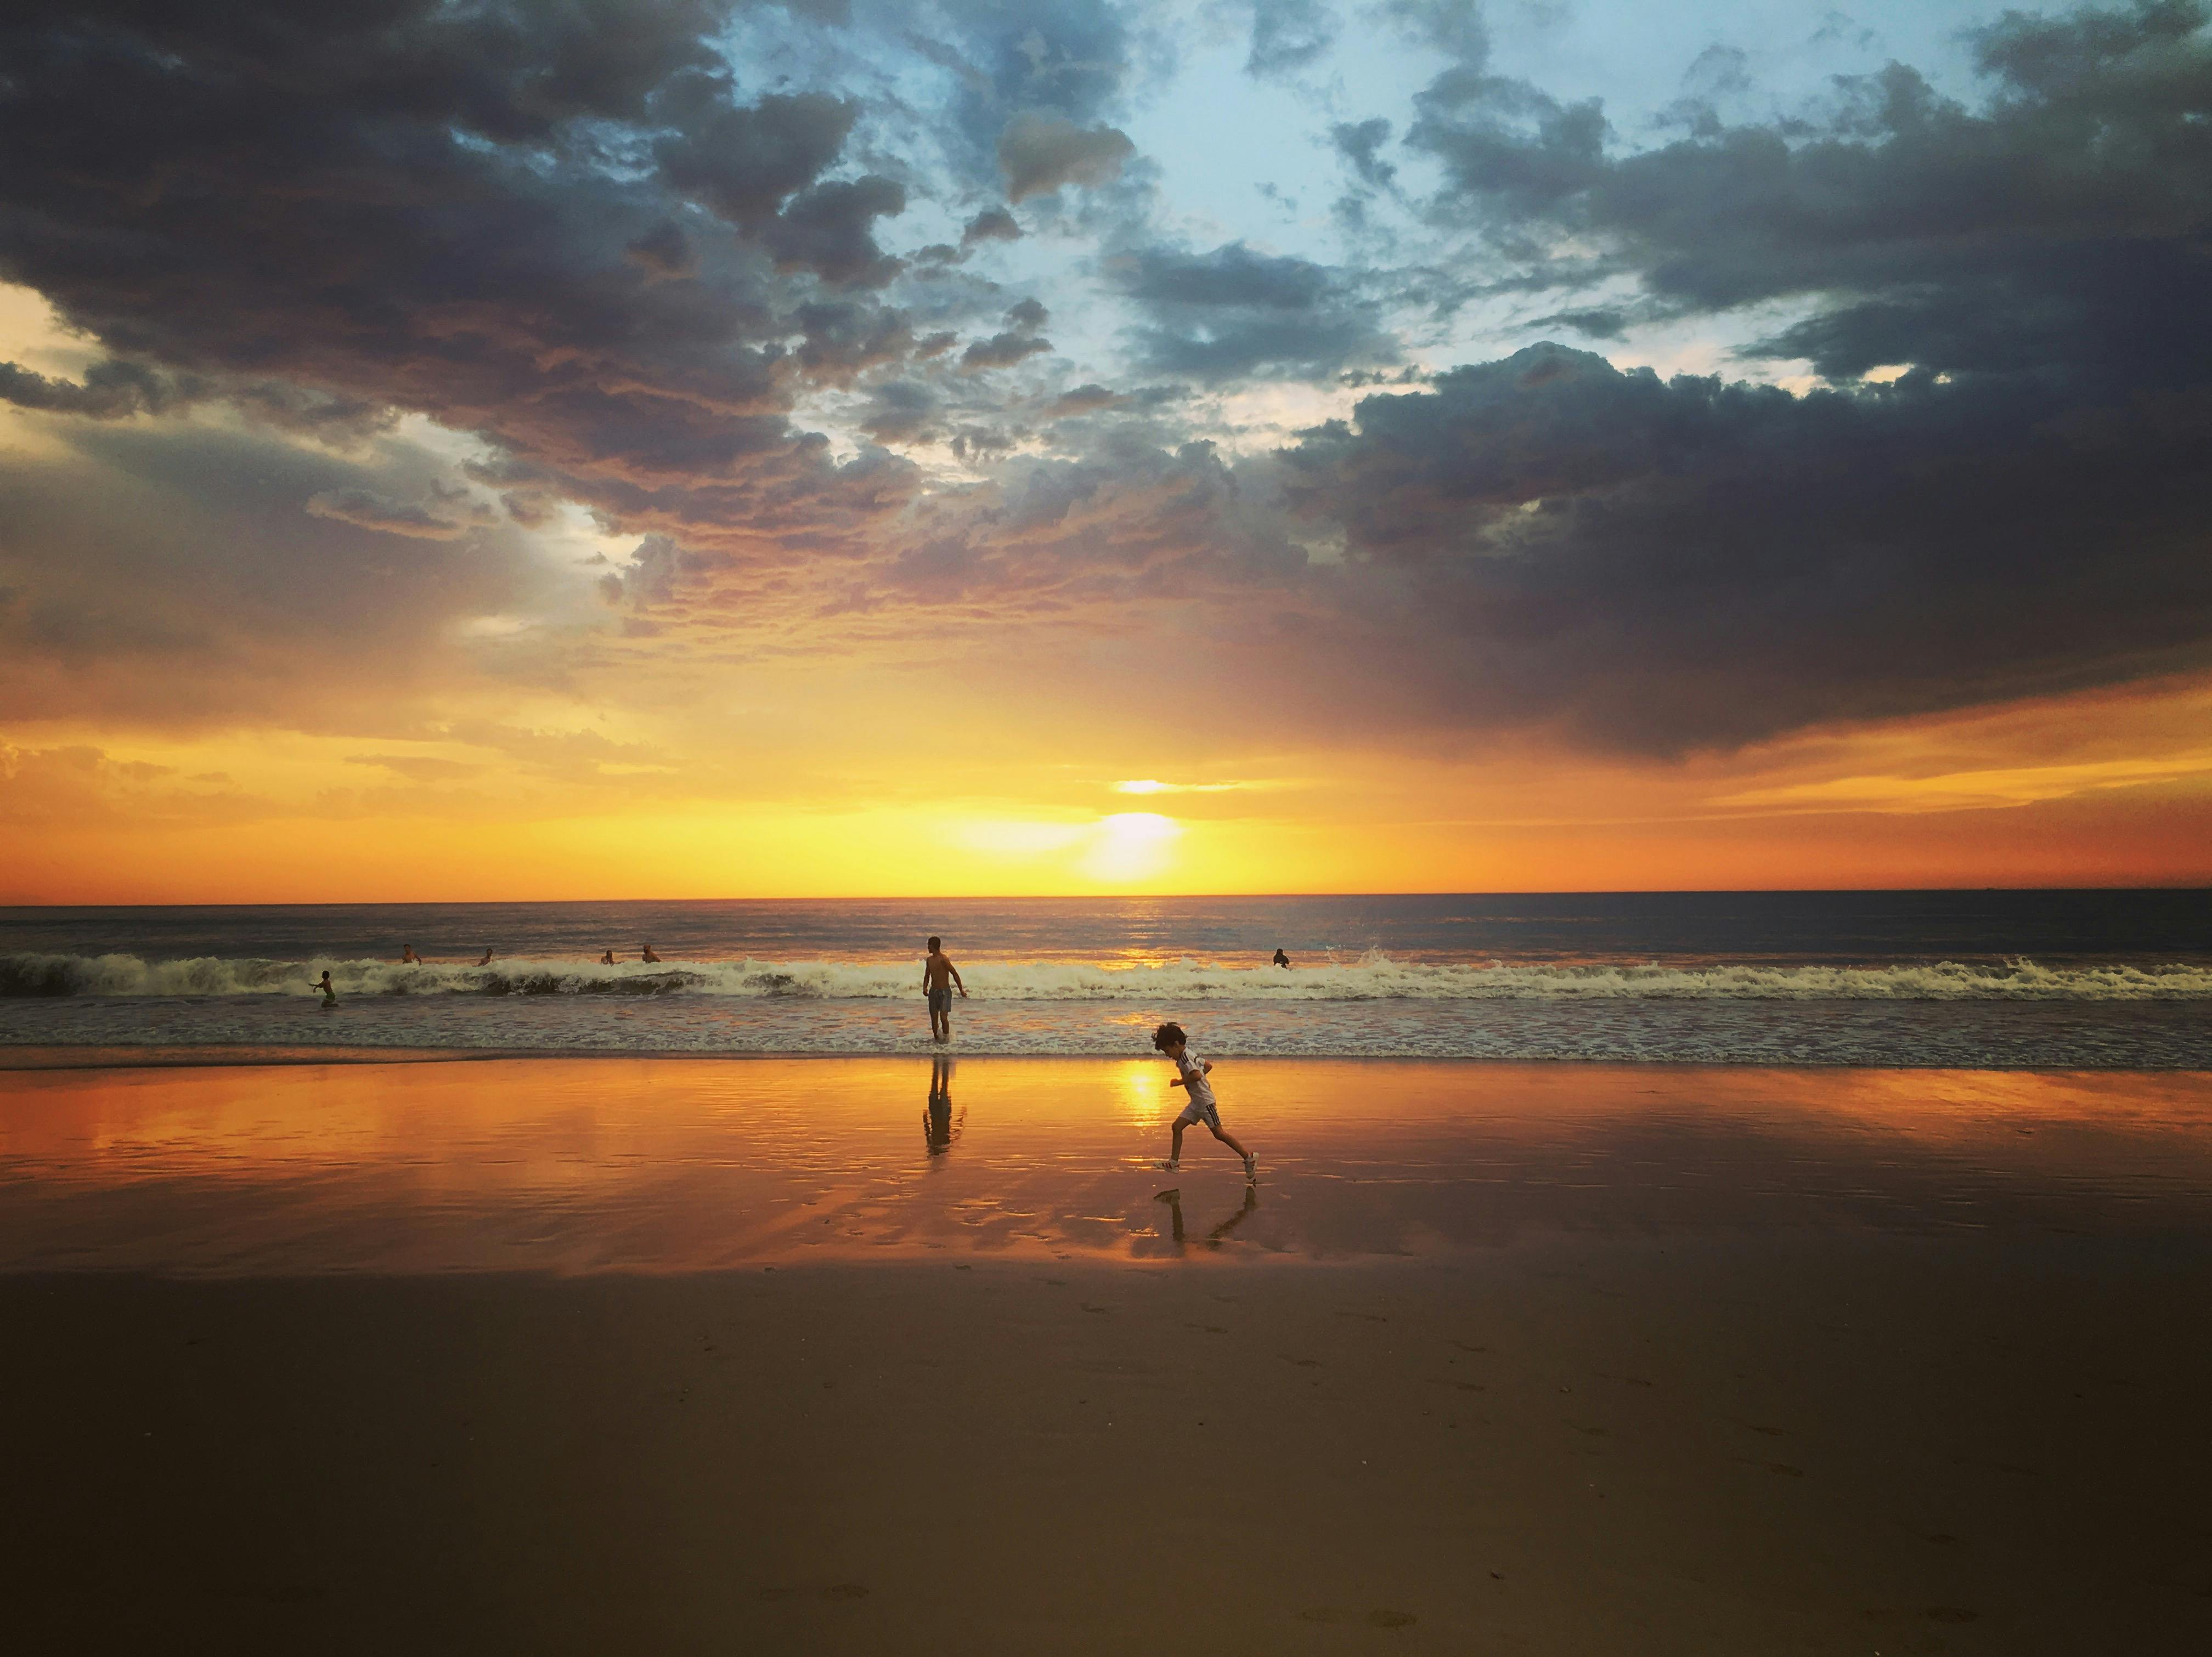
[[632, 1164]]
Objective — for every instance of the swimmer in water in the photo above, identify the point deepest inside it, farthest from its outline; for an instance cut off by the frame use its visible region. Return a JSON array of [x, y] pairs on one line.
[[608, 959], [649, 955], [486, 962], [330, 992], [1281, 960], [408, 958]]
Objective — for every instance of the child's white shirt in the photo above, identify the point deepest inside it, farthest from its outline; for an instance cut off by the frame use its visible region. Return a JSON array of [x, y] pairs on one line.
[[1194, 1076]]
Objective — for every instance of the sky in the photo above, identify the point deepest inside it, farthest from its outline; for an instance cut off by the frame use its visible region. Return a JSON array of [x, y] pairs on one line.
[[629, 448]]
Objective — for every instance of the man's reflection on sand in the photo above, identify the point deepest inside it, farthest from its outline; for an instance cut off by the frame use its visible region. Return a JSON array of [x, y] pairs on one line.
[[939, 1129], [1173, 1198]]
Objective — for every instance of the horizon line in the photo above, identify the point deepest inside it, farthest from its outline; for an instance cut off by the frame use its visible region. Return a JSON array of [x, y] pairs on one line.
[[2200, 887]]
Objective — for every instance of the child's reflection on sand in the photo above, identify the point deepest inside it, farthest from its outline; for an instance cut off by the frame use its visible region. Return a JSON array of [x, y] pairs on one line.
[[939, 1129], [1173, 1198]]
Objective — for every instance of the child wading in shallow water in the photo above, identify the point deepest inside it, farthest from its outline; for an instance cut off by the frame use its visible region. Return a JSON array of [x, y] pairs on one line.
[[1171, 1040]]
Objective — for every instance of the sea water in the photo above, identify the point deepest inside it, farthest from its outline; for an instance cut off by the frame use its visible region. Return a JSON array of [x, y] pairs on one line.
[[2068, 980]]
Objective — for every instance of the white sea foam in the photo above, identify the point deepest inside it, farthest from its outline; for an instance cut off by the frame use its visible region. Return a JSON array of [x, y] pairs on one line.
[[1374, 977]]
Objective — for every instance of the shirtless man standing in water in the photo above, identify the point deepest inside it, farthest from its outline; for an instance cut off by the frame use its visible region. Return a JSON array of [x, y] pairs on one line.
[[935, 973]]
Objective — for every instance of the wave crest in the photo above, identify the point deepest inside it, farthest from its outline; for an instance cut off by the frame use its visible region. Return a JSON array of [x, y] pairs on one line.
[[1374, 977]]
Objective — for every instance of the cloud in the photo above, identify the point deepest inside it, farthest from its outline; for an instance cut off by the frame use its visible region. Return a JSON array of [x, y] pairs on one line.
[[1020, 340], [111, 391], [826, 230], [2057, 226], [1661, 565], [1455, 27], [901, 411], [1082, 400], [583, 258], [1038, 153], [992, 224], [1001, 350], [167, 575], [1064, 57], [1233, 311], [1288, 36], [1361, 143], [561, 230], [367, 509], [745, 161], [845, 338], [419, 768]]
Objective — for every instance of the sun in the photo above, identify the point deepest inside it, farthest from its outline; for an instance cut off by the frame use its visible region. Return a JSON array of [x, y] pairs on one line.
[[1132, 845]]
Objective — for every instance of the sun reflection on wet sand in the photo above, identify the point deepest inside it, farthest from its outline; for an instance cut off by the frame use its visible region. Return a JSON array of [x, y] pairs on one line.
[[658, 1166]]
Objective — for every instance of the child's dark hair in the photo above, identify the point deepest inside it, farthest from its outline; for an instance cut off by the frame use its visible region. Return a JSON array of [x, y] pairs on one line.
[[936, 943], [1167, 1035]]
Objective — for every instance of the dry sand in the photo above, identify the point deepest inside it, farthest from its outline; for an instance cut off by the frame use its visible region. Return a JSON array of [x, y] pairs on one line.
[[1754, 1438]]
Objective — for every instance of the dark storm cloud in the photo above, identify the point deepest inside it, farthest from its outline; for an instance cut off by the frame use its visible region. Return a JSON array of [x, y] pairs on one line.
[[666, 250], [845, 339], [1662, 565], [482, 211], [1232, 311], [744, 162], [826, 229]]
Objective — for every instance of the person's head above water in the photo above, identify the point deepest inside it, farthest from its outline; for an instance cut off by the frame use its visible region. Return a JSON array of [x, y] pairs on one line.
[[1169, 1037], [935, 943]]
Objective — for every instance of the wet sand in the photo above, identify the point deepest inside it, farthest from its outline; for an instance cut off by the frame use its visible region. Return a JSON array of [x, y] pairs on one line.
[[1566, 1360]]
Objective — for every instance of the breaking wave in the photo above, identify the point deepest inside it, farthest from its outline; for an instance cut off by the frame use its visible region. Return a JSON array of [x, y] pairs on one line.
[[1374, 977]]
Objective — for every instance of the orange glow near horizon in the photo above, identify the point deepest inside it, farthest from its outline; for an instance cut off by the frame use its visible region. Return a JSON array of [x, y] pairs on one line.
[[2111, 788]]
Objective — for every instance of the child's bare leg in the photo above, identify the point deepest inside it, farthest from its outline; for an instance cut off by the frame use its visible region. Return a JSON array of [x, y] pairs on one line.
[[1174, 1153], [1230, 1140]]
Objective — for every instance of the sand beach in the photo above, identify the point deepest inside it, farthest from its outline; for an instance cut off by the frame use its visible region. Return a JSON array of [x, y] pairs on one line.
[[713, 1356]]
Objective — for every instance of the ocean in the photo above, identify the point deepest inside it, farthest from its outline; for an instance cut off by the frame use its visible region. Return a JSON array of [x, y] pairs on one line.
[[2068, 980]]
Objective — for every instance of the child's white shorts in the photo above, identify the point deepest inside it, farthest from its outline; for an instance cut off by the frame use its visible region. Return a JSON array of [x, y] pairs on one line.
[[1201, 1110]]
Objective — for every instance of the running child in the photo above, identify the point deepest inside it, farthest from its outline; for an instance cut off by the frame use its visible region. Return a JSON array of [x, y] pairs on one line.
[[1192, 1075]]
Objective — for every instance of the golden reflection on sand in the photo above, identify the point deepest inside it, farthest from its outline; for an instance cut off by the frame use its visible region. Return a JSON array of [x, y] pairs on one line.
[[570, 1165]]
